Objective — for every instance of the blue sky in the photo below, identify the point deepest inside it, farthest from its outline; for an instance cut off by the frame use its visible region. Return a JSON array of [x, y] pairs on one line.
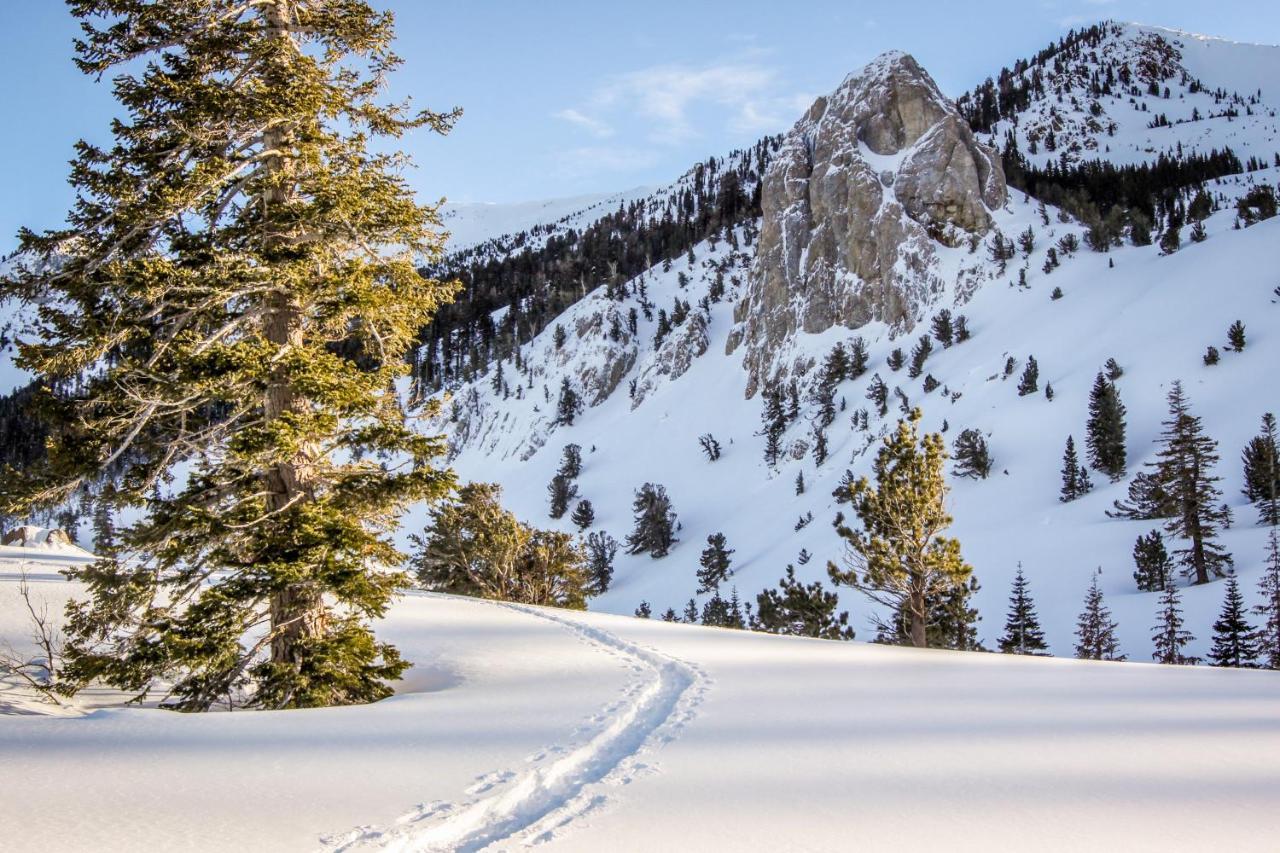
[[563, 97]]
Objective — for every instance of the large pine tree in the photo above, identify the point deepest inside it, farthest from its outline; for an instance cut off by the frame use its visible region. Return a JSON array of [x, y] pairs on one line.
[[1262, 472], [1106, 429], [1185, 468], [655, 522], [714, 564], [1022, 632], [1169, 637], [900, 558], [1268, 636], [222, 325]]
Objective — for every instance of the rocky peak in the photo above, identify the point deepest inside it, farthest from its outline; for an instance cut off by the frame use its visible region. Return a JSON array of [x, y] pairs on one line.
[[863, 189]]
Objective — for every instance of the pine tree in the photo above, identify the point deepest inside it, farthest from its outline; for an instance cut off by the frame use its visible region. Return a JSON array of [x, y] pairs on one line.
[[900, 558], [799, 482], [835, 369], [568, 406], [919, 354], [1106, 429], [820, 449], [878, 393], [710, 447], [858, 358], [1030, 381], [584, 514], [798, 610], [1154, 569], [1075, 477], [1268, 636], [1147, 500], [655, 522], [691, 612], [1262, 472], [1184, 466], [774, 424], [601, 548], [896, 359], [644, 611], [1234, 642], [1235, 336], [1169, 637], [1095, 632], [571, 462], [561, 491], [1022, 632], [232, 302], [942, 328], [714, 564], [960, 329], [973, 458]]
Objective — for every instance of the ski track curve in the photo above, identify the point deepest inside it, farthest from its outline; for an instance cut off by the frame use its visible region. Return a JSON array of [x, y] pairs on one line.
[[562, 783]]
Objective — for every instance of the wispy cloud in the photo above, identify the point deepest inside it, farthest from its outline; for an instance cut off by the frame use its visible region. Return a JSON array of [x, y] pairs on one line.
[[596, 159], [675, 100], [594, 126]]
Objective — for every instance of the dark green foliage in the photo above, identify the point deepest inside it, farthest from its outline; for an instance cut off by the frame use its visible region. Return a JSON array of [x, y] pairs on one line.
[[942, 330], [710, 447], [1262, 472], [601, 548], [1233, 637], [1075, 477], [1113, 369], [1056, 293], [1095, 632], [1211, 356], [972, 456], [584, 514], [1268, 636], [858, 358], [559, 336], [960, 329], [1258, 204], [561, 491], [896, 359], [1235, 336], [1022, 632], [773, 418], [919, 354], [1030, 381], [23, 431], [1171, 240], [568, 406], [1153, 568], [571, 462], [721, 613], [655, 522], [843, 492], [690, 612], [1105, 428], [714, 564], [1184, 466], [878, 393], [1147, 500], [1169, 636], [801, 611], [644, 611], [819, 446]]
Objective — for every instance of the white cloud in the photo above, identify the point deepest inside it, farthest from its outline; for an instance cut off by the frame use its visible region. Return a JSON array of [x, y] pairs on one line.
[[594, 159], [594, 126]]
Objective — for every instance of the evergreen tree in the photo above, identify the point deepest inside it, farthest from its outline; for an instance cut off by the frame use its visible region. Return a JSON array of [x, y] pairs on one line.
[[601, 548], [559, 336], [900, 558], [1170, 638], [714, 564], [878, 393], [799, 482], [1075, 477], [104, 529], [1211, 357], [710, 447], [568, 406], [561, 491], [773, 424], [1234, 642], [858, 359], [919, 354], [1184, 466], [820, 450], [1022, 632], [896, 359], [1154, 569], [670, 615], [1030, 381], [655, 522], [644, 611], [571, 462], [960, 329], [798, 610], [942, 328], [233, 300], [1147, 500], [1106, 429], [973, 458], [1268, 636], [1095, 632], [691, 612], [835, 369], [1262, 472], [584, 514], [1235, 336]]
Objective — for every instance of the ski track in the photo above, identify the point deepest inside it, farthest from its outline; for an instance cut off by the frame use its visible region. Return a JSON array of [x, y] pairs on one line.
[[559, 784]]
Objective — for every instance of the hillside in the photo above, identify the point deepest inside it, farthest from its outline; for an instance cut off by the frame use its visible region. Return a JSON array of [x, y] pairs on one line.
[[1155, 313]]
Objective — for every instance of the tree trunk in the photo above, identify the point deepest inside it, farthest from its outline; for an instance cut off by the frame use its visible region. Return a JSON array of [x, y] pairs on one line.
[[297, 611], [918, 612]]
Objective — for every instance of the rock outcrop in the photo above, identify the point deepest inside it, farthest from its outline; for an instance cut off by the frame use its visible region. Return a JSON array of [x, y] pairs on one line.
[[864, 188]]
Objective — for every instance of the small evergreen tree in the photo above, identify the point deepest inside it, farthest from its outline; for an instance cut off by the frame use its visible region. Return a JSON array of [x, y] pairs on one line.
[[571, 462], [1030, 381], [584, 514], [1147, 500], [1022, 632], [896, 359], [715, 564], [819, 446], [919, 354], [798, 610], [942, 330], [568, 406], [1234, 642], [1075, 477], [960, 329], [601, 548], [1268, 636], [1235, 337], [773, 424], [1184, 467], [1170, 638], [655, 522], [973, 457], [878, 393], [561, 492], [858, 358], [1105, 428], [799, 482], [900, 558], [1211, 357], [690, 612], [1262, 472], [1154, 569], [710, 447], [1095, 632], [643, 611]]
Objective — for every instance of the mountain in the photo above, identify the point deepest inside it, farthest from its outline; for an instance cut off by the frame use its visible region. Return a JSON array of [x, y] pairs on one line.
[[867, 230], [472, 224]]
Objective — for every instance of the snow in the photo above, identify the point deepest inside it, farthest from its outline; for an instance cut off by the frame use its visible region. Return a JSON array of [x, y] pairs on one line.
[[522, 726], [472, 223]]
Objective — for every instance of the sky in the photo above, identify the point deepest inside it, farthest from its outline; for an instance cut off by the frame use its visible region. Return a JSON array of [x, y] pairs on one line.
[[566, 97]]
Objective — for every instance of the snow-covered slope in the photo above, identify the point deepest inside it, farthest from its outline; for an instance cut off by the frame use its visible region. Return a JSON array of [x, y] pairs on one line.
[[521, 726], [472, 223], [1154, 313]]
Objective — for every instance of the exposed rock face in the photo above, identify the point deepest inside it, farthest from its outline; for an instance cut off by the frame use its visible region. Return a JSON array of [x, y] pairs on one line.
[[674, 358], [863, 189]]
